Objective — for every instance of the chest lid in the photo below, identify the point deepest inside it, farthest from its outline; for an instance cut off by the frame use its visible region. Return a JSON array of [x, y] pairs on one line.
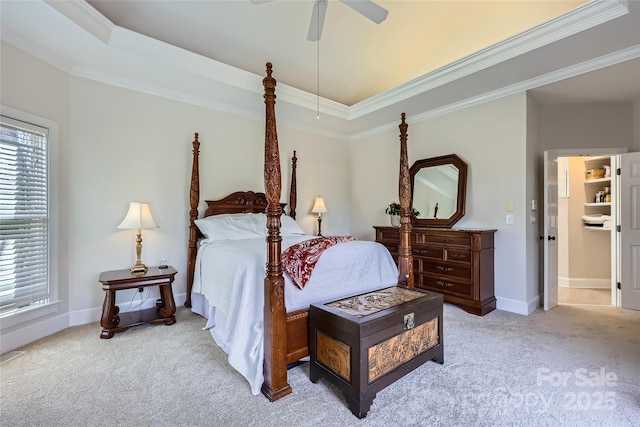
[[374, 302]]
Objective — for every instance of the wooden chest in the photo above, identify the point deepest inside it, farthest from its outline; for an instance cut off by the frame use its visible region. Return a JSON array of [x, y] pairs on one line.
[[366, 342], [458, 263]]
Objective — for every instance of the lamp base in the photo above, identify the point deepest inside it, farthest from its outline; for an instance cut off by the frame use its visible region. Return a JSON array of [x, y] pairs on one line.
[[138, 268]]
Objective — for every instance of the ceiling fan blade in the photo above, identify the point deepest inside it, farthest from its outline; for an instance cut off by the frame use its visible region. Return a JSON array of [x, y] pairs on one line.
[[317, 20], [369, 9]]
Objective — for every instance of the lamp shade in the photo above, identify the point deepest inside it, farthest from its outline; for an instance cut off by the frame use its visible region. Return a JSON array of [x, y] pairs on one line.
[[138, 217], [319, 207]]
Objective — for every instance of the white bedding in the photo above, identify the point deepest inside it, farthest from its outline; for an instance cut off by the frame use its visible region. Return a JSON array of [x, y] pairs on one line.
[[228, 290]]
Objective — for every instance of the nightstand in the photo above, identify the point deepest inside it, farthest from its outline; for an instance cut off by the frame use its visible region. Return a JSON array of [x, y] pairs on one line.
[[117, 280]]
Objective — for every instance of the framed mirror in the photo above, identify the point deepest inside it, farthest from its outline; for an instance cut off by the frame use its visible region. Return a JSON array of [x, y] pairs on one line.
[[438, 191]]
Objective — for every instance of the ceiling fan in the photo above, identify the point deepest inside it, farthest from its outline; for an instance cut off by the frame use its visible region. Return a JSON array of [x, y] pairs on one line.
[[366, 8]]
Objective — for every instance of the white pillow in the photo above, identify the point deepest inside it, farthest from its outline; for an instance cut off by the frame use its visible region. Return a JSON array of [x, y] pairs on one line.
[[230, 226], [289, 225]]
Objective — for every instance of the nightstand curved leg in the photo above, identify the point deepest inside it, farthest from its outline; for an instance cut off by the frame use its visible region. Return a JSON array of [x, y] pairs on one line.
[[167, 308], [110, 318]]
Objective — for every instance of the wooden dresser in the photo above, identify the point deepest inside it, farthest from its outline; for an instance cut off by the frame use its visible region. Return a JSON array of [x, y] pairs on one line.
[[455, 262]]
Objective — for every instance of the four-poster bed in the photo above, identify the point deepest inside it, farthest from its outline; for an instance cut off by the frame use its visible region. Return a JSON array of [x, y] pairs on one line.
[[284, 324]]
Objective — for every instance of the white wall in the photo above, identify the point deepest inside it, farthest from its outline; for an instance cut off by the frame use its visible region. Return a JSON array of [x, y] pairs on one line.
[[491, 138], [589, 125]]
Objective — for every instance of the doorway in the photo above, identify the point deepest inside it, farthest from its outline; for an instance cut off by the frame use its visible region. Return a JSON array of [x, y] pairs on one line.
[[554, 183], [586, 239]]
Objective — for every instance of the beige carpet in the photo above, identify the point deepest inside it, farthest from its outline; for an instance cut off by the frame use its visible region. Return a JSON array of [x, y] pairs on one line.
[[572, 366]]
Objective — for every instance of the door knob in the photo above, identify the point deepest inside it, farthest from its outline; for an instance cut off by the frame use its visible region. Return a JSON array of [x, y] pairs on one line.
[[551, 237]]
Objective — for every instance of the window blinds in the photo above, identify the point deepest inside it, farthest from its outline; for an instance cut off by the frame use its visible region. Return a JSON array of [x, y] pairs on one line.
[[24, 219]]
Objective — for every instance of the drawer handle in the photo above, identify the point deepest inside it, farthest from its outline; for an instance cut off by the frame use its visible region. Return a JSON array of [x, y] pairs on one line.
[[444, 284], [445, 240], [445, 269], [458, 256], [420, 251]]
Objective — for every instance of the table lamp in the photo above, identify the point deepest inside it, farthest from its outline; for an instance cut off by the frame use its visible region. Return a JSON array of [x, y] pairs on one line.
[[138, 217], [319, 207]]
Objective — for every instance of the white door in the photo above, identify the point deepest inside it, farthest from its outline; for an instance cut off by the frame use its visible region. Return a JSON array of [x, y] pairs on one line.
[[550, 229], [629, 235]]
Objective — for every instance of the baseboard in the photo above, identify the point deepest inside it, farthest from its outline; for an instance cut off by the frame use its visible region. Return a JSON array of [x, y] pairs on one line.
[[517, 307], [582, 282], [38, 330], [33, 332]]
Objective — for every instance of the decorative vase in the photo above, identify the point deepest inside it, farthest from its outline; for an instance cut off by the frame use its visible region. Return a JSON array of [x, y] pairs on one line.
[[395, 220]]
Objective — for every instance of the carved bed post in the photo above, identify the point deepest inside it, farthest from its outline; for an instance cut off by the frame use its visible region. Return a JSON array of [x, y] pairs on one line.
[[194, 200], [405, 259], [293, 190], [275, 383]]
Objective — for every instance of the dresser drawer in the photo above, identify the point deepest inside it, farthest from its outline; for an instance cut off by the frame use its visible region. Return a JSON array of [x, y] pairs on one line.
[[388, 234], [462, 271], [433, 252], [458, 255], [437, 284], [448, 239]]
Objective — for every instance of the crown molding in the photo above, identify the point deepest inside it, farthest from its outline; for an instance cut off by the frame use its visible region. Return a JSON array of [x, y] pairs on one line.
[[133, 43], [161, 91], [45, 55], [582, 18], [85, 16], [182, 96], [604, 61]]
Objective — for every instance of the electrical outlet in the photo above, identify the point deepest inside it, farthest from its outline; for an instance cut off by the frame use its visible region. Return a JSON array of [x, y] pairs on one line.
[[510, 219]]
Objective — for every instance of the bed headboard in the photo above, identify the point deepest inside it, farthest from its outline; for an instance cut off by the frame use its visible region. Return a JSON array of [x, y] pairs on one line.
[[238, 202]]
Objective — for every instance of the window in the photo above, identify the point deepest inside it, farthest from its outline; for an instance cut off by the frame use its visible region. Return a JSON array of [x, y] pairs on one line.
[[27, 219]]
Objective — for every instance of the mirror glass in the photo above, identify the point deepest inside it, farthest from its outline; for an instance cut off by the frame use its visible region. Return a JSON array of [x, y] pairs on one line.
[[438, 190]]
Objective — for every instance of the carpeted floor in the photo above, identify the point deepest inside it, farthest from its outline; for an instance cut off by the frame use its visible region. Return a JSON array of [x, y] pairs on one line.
[[572, 366]]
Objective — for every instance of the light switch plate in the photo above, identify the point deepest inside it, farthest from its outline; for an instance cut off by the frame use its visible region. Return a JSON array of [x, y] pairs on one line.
[[510, 207]]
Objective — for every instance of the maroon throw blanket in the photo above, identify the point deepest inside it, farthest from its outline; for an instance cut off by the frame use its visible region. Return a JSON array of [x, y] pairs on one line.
[[298, 260]]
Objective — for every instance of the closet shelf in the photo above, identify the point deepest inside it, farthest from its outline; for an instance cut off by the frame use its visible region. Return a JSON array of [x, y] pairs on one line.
[[591, 227], [603, 204], [596, 180]]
